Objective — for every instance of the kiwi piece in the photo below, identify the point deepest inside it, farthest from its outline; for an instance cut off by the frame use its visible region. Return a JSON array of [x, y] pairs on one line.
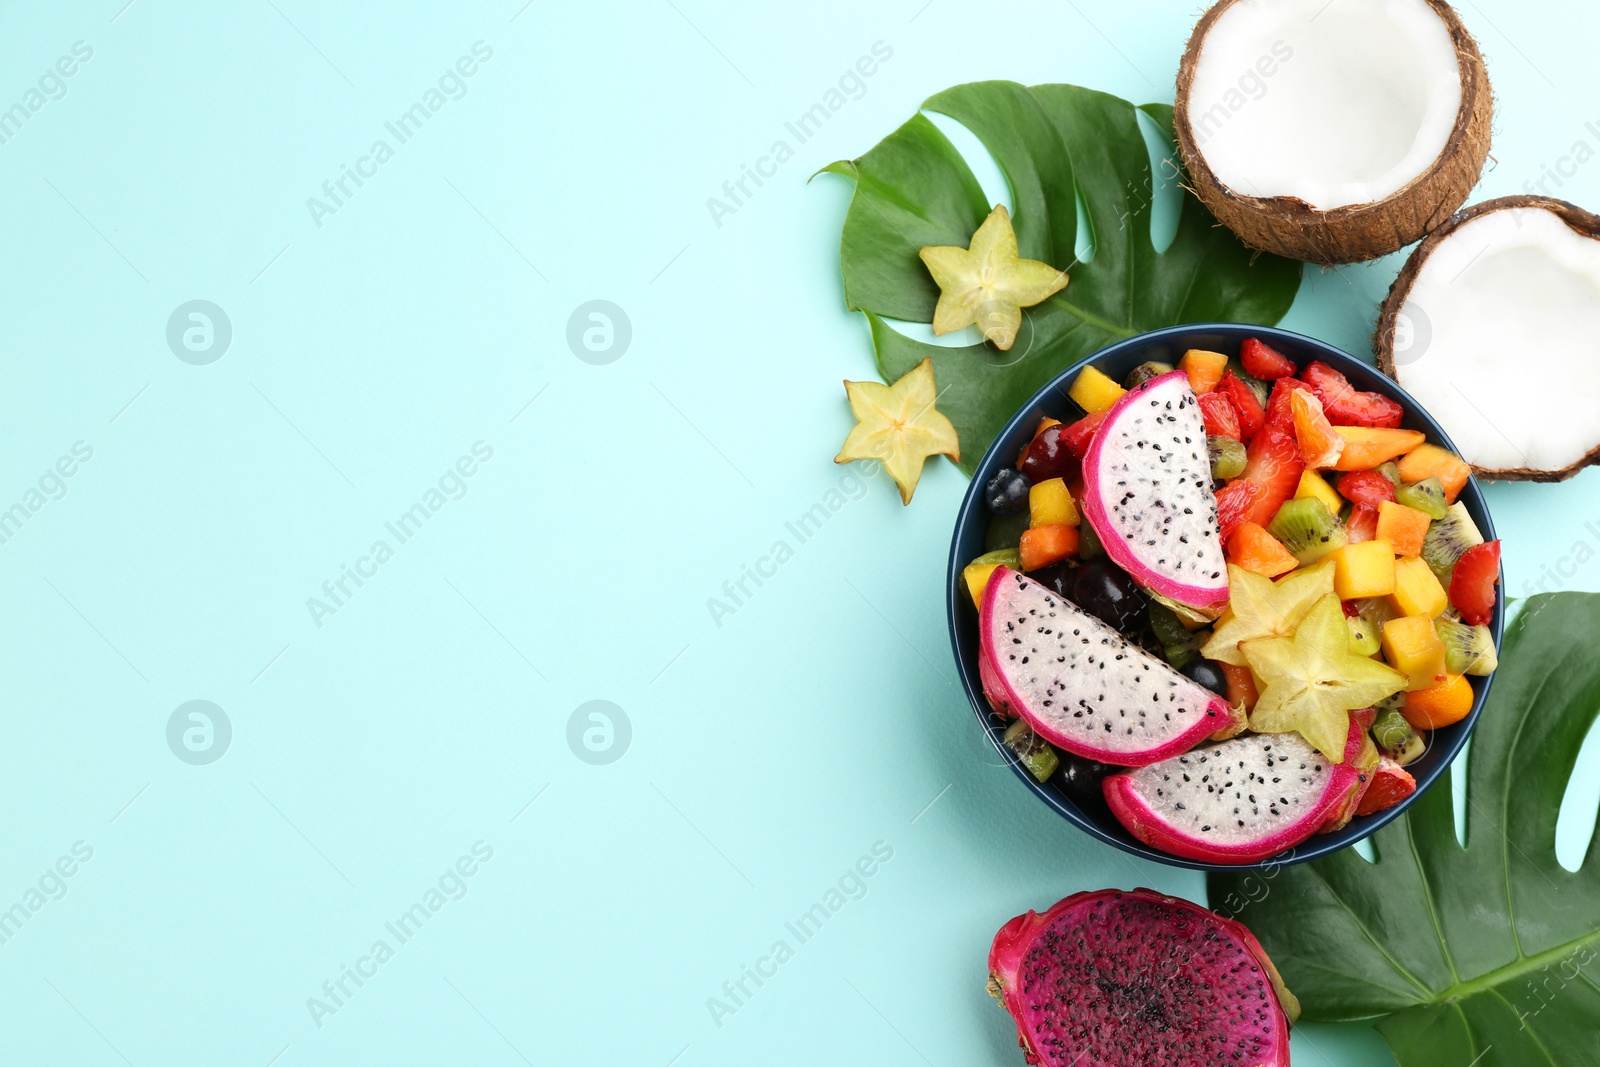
[[1089, 545], [1144, 372], [1390, 470], [1467, 649], [1447, 539], [1363, 636], [1177, 643], [1376, 611], [1033, 753], [1397, 738], [1308, 529], [1426, 496], [1227, 457], [1005, 531]]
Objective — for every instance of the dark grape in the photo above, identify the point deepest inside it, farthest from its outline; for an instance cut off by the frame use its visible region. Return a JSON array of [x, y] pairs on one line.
[[1105, 591], [1058, 577], [1080, 780], [1007, 491], [1049, 457], [1207, 674]]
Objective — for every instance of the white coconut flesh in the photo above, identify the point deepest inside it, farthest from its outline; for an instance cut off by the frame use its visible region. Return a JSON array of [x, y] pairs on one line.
[[1332, 103], [1499, 339]]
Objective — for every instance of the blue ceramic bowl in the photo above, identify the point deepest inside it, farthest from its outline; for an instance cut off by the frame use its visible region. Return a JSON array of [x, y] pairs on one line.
[[1093, 816]]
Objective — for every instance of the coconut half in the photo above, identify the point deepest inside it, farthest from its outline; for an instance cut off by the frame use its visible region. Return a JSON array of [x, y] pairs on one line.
[[1332, 130], [1494, 327]]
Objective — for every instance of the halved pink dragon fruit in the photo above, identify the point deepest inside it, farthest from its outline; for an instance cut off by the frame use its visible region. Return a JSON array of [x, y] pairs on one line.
[[1080, 684], [1120, 979], [1242, 800], [1147, 492]]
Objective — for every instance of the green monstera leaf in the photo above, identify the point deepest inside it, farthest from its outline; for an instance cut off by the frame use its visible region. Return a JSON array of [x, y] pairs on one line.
[[1484, 954], [1055, 144]]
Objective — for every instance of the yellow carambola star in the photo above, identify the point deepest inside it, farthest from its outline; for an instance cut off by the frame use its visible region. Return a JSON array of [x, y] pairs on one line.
[[987, 283], [899, 426], [1259, 607], [1312, 681]]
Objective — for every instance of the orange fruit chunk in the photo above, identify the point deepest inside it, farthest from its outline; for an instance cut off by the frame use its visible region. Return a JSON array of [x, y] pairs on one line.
[[1320, 443], [1254, 549]]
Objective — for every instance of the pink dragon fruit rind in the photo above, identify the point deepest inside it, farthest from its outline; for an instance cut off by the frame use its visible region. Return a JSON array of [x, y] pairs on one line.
[[1005, 698], [1107, 1033], [1196, 595], [1345, 783], [995, 689]]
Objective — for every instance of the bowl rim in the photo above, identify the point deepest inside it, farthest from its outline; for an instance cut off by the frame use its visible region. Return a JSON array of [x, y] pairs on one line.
[[972, 510]]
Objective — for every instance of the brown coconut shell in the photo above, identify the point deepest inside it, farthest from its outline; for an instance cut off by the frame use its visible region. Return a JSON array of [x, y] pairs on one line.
[[1578, 220], [1288, 226]]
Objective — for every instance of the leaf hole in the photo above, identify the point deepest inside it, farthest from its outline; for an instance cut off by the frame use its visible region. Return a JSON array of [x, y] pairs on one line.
[[1084, 245], [922, 332], [1458, 792], [1580, 804], [1166, 194], [1363, 848], [991, 179]]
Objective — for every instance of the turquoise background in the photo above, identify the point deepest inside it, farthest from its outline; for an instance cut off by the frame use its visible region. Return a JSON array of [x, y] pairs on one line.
[[770, 749]]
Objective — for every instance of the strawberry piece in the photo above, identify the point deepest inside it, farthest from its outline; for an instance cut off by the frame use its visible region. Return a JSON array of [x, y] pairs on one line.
[[1346, 405], [1263, 361], [1271, 475], [1473, 581], [1365, 716], [1079, 434], [1363, 524], [1391, 783], [1221, 417], [1279, 411], [1366, 487], [1251, 414]]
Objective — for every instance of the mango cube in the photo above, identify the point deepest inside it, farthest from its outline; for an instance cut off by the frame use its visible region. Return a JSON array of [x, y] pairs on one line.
[[977, 576], [1403, 527], [977, 573], [1093, 391], [1416, 590], [1362, 570], [1050, 503], [1314, 487], [1205, 369], [1412, 647]]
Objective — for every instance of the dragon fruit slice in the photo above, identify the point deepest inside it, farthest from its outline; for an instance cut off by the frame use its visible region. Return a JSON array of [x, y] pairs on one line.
[[1080, 684], [1241, 800], [1120, 979], [1147, 492]]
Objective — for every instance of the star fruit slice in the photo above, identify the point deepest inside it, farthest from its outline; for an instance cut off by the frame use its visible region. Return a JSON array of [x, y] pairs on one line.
[[1260, 607], [1311, 682], [899, 426], [987, 283]]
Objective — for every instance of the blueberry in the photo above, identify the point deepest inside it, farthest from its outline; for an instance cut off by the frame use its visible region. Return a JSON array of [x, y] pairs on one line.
[[1007, 491], [1207, 674]]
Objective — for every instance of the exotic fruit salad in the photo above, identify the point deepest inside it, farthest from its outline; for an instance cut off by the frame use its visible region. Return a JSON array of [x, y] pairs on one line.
[[1230, 601]]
